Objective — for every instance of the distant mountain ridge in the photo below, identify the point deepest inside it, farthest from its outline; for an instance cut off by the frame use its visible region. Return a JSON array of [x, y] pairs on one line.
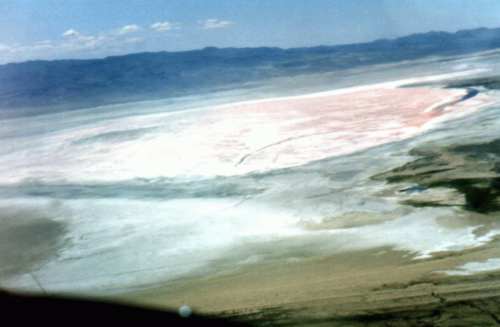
[[41, 86]]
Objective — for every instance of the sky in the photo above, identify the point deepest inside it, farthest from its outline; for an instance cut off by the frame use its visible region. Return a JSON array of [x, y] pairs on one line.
[[55, 29]]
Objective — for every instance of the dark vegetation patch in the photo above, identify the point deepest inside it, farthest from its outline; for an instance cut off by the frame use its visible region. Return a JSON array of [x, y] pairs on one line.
[[472, 169]]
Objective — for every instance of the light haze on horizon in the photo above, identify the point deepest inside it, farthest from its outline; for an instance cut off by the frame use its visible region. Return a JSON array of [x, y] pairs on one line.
[[53, 29]]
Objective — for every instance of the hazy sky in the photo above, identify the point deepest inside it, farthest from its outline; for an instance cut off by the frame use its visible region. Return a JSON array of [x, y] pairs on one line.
[[33, 29]]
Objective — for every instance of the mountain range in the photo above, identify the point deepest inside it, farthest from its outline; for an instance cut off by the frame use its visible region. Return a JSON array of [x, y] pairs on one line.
[[44, 86]]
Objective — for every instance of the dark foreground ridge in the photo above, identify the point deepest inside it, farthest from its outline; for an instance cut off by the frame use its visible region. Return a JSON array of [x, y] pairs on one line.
[[47, 86], [64, 311]]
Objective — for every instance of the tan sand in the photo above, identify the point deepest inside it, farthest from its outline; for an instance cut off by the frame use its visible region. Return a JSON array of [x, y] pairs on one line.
[[325, 288]]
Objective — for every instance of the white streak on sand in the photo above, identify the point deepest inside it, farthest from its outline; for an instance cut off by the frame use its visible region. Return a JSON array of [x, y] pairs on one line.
[[471, 268]]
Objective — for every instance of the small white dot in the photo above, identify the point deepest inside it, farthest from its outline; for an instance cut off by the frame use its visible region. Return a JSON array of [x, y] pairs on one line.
[[185, 311]]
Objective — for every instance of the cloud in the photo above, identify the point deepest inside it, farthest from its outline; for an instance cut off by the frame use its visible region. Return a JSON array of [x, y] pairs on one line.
[[76, 44], [73, 44], [212, 23], [134, 40], [74, 40], [93, 42], [5, 48], [71, 33], [164, 26], [43, 45], [129, 29]]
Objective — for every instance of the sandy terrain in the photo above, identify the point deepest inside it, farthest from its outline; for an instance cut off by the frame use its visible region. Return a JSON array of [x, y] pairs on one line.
[[351, 287]]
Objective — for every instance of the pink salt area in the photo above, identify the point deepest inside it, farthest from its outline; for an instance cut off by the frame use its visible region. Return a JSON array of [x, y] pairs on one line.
[[285, 132]]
